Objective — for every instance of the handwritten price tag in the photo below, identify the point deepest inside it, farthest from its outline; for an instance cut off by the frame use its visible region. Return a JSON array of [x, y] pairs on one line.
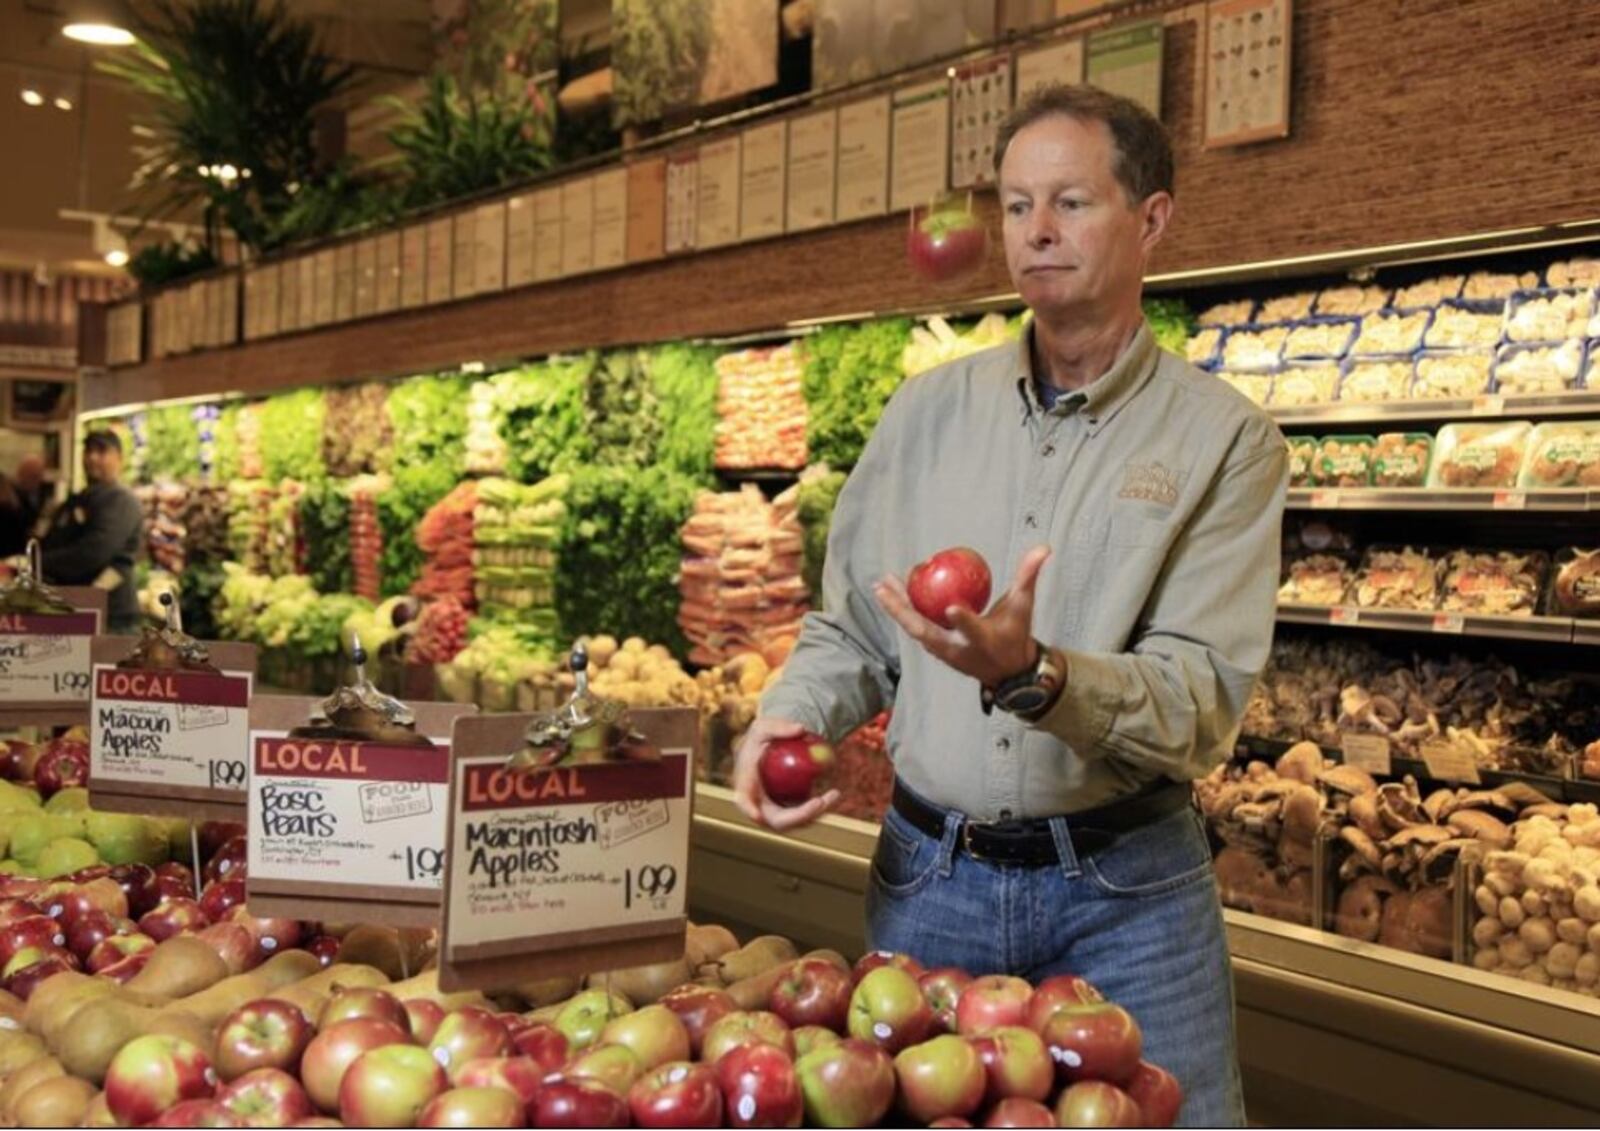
[[1369, 752], [45, 659], [1448, 762], [1489, 404], [1510, 500], [1324, 500], [177, 734], [1347, 615], [1453, 623]]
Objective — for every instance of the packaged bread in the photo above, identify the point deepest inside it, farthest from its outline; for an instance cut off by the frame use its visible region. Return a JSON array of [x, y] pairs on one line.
[[1286, 308], [1485, 285], [1352, 299], [1479, 455], [1256, 386], [1343, 461], [1451, 374], [1228, 313], [1460, 325], [1495, 583], [1429, 292], [1254, 349], [1400, 459], [1580, 271], [1563, 453], [1202, 348], [1302, 452], [1321, 338], [1315, 579], [1306, 384], [1371, 381], [1392, 332], [1529, 369], [1575, 584], [1397, 578], [1548, 316]]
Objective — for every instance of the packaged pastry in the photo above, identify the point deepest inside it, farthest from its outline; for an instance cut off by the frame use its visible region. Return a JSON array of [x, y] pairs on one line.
[[1548, 316], [1575, 584], [1392, 578], [1492, 583], [1286, 308], [1484, 285], [1479, 455], [1563, 454], [1352, 300], [1400, 459], [1451, 375], [1302, 451], [1315, 579], [1429, 292], [1576, 272], [1368, 381], [1202, 348], [1228, 313], [1300, 385], [1255, 349], [1256, 386], [1459, 325], [1321, 338], [1343, 461], [1538, 369], [1392, 332]]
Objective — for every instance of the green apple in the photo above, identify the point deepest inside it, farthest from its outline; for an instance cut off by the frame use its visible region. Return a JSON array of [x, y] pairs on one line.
[[654, 1033], [66, 855], [585, 1017], [615, 1066]]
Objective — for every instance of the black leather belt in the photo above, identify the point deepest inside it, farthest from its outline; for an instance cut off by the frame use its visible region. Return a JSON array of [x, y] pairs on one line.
[[1030, 843]]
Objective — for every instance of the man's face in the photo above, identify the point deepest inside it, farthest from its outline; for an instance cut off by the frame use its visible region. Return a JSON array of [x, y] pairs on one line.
[[102, 464], [1074, 244]]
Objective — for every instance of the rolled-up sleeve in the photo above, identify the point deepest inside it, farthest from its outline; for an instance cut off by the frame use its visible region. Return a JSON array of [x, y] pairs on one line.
[[1172, 703]]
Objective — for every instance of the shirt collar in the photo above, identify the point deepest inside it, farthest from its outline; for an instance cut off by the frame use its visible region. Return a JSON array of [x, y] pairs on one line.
[[1104, 397]]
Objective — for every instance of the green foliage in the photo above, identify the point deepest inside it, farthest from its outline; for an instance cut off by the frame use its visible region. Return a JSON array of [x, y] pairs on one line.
[[225, 444], [540, 410], [659, 50], [817, 497], [621, 411], [1171, 321], [850, 374], [684, 378], [416, 486], [163, 262], [325, 527], [172, 443], [291, 435], [198, 588], [429, 416]]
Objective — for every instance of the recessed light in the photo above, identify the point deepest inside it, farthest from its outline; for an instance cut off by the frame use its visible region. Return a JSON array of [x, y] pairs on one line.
[[62, 102], [32, 97], [117, 257], [99, 35]]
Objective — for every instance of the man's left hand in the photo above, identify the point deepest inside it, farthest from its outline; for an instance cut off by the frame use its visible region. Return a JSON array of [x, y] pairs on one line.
[[990, 648]]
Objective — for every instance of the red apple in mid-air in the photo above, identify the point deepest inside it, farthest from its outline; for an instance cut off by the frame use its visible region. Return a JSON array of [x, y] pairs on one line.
[[1095, 1103], [759, 1088], [474, 1107], [677, 1094], [1098, 1041], [992, 1001], [888, 1009], [813, 991], [262, 1034], [699, 1007], [389, 1086], [943, 988], [266, 1097], [1055, 992], [940, 1078], [1018, 1112], [364, 1001], [577, 1103], [1017, 1063], [950, 579], [746, 1028], [849, 1084], [468, 1034], [873, 959], [946, 241], [332, 1051], [1157, 1093], [790, 768], [153, 1073]]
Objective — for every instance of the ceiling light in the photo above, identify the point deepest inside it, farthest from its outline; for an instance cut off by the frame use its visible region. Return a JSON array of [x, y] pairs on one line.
[[99, 35], [117, 257], [62, 102], [32, 97]]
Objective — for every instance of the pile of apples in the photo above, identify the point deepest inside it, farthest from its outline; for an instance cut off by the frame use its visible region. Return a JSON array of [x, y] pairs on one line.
[[52, 766]]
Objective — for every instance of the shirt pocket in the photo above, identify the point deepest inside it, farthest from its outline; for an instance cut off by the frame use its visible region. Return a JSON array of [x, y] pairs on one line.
[[1133, 524]]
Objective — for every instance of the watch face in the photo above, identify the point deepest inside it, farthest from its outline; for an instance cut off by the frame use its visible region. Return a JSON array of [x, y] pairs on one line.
[[1025, 699]]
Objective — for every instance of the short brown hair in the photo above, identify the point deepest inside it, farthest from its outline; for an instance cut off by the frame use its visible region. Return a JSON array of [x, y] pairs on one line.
[[1143, 159]]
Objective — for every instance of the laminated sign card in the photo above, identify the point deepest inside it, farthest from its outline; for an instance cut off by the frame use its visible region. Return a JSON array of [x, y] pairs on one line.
[[920, 161], [1247, 71], [762, 173], [610, 218], [44, 661], [863, 159], [718, 193], [568, 869], [813, 167]]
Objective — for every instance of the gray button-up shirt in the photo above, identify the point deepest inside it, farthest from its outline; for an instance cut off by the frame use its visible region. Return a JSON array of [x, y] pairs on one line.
[[1160, 491]]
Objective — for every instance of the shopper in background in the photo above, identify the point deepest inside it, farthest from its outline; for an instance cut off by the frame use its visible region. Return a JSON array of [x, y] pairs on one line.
[[1042, 820], [22, 501], [97, 533]]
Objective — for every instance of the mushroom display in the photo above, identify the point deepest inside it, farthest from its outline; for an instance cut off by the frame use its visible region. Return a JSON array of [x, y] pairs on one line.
[[1267, 818]]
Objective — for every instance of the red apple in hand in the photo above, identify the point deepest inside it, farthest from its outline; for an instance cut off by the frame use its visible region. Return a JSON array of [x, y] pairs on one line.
[[1157, 1093], [261, 1034], [746, 1028], [992, 1001], [678, 1094], [940, 1078], [813, 991], [888, 1009], [153, 1073], [1100, 1041], [474, 1107], [1017, 1063], [849, 1084], [946, 241], [943, 988], [760, 1088], [950, 579], [699, 1007], [1017, 1112], [578, 1103], [266, 1097], [790, 768], [1055, 992], [389, 1086], [1095, 1103]]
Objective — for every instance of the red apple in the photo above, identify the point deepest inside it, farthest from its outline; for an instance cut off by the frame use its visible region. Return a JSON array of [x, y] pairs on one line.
[[1053, 993], [542, 1044], [422, 1018], [220, 898], [153, 1073], [270, 935], [849, 1084], [98, 893], [89, 931], [943, 988], [615, 1066], [699, 1007], [951, 1121], [790, 768], [888, 1009], [1098, 1041], [957, 578], [177, 871], [760, 1087], [228, 861], [364, 1001], [30, 933], [266, 1097], [676, 1094], [468, 1034], [173, 917], [138, 884], [325, 947], [12, 753], [114, 948], [197, 1113], [813, 991], [233, 945], [1017, 1063], [516, 1074], [992, 1001], [171, 887], [474, 1107], [870, 961], [61, 767], [389, 1086], [1157, 1093], [586, 1014], [1095, 1103], [940, 1078], [1018, 1112], [267, 1033], [946, 241], [127, 967], [578, 1103], [34, 965], [332, 1051], [809, 1037], [12, 909], [214, 834], [746, 1028], [654, 1034]]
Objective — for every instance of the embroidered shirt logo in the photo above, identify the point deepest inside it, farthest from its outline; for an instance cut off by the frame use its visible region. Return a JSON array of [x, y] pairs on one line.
[[1152, 483]]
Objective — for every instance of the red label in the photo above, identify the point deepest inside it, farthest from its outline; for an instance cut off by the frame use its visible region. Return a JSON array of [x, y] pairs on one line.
[[48, 624], [364, 761], [195, 689], [492, 786]]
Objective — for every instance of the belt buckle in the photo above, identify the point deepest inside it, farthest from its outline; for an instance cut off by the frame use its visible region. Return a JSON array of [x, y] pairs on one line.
[[966, 841]]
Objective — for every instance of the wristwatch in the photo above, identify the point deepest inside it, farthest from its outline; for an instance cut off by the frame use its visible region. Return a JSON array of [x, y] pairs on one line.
[[1030, 693]]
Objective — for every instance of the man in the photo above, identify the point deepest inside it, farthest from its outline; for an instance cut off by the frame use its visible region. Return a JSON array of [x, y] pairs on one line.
[[97, 534], [22, 501], [1042, 819]]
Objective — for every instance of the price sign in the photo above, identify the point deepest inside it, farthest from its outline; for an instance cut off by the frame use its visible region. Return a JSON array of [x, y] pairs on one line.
[[45, 658], [1369, 752], [1448, 762], [569, 869], [1489, 404], [349, 828], [1325, 500], [170, 741], [1453, 623], [1347, 615], [1510, 500]]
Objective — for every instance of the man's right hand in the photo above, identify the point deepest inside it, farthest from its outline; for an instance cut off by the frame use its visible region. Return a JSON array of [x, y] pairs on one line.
[[747, 792]]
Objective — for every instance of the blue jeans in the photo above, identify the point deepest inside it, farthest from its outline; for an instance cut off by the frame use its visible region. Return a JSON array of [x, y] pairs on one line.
[[1139, 919]]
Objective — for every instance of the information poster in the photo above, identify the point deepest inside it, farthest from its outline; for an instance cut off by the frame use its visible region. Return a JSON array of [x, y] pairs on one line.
[[647, 209], [683, 186], [1059, 62], [863, 159], [717, 194], [289, 295], [577, 226], [327, 271], [813, 164], [199, 316], [413, 266], [463, 254], [547, 232], [1247, 71], [920, 165], [610, 218], [228, 309], [386, 283], [1126, 60], [519, 240], [344, 282], [366, 277], [253, 277], [761, 180], [980, 96], [44, 659], [310, 271], [489, 267], [440, 256]]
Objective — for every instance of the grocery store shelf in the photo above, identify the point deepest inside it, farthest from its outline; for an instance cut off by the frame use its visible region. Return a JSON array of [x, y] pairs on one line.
[[1586, 632], [1551, 499], [1488, 407], [1550, 630]]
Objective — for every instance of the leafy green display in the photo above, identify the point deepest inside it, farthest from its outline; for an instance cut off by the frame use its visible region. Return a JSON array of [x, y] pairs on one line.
[[684, 377], [199, 585], [1171, 321], [356, 435], [172, 443], [621, 411], [291, 435], [817, 498], [617, 562], [429, 416], [416, 486], [325, 526], [541, 417], [850, 374]]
